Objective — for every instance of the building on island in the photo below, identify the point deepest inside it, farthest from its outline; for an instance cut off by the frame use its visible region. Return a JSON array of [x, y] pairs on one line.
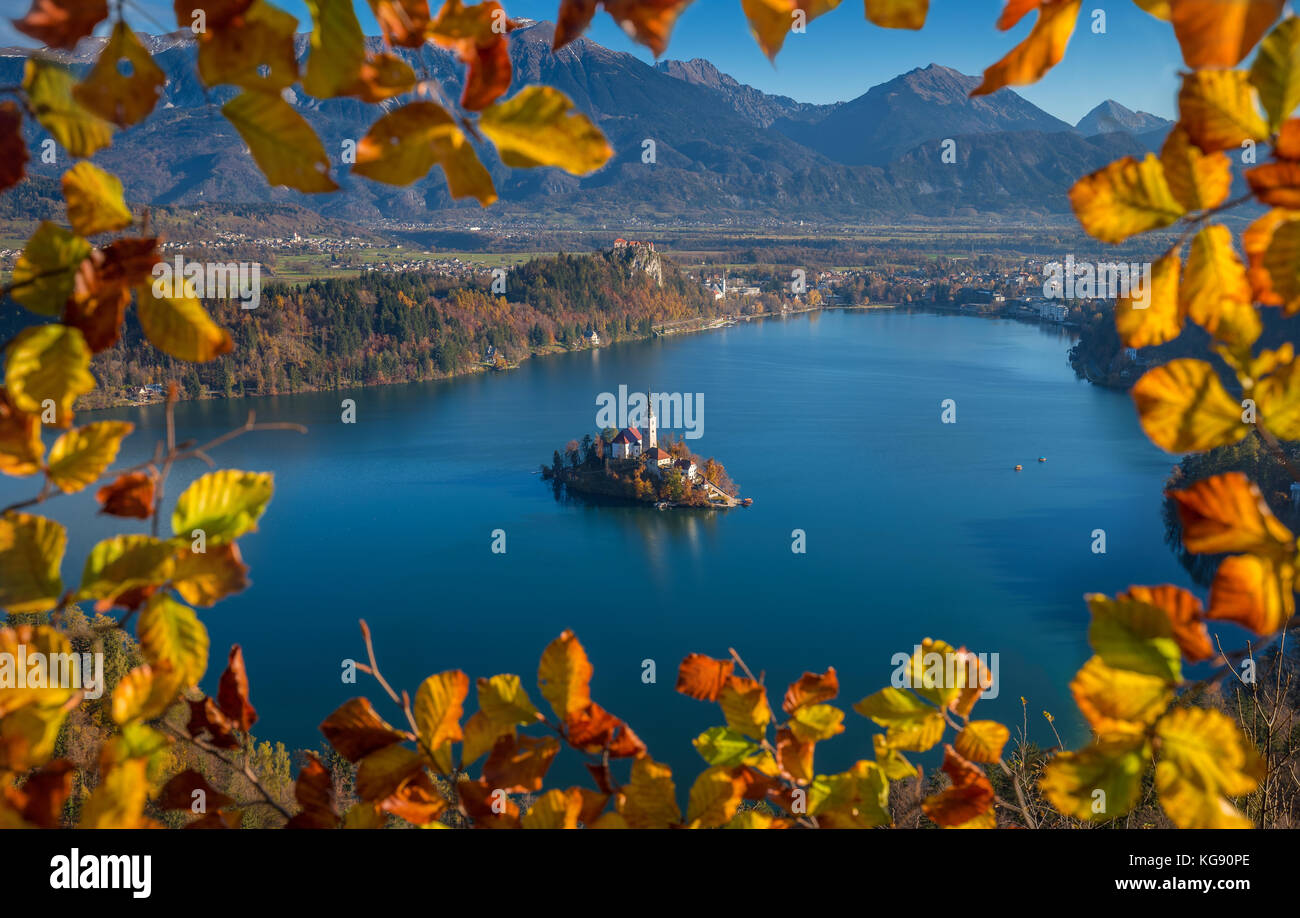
[[629, 444]]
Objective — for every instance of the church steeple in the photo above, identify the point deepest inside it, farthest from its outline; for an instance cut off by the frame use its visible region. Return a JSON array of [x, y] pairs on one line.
[[652, 439]]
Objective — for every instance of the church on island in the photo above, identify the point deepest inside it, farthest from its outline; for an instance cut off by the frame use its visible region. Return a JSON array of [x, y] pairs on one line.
[[629, 444]]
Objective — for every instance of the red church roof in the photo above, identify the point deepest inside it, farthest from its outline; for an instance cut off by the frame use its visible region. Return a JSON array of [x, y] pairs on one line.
[[628, 435]]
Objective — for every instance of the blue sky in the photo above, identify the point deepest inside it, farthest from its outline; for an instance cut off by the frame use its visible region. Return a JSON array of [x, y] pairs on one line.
[[842, 55]]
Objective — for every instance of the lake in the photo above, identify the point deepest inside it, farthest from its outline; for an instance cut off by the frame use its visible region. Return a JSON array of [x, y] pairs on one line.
[[830, 422]]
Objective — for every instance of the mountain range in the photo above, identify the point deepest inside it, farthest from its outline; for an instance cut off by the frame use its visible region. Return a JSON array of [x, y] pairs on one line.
[[724, 150]]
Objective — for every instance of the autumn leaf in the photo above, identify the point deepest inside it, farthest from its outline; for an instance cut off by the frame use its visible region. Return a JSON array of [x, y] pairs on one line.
[[744, 704], [1276, 184], [649, 799], [417, 800], [1203, 758], [1215, 33], [49, 96], [82, 454], [594, 730], [714, 799], [970, 796], [204, 578], [129, 495], [1215, 293], [13, 149], [480, 735], [1099, 782], [1275, 73], [771, 21], [46, 271], [282, 143], [62, 23], [810, 689], [1041, 50], [171, 633], [383, 771], [122, 564], [564, 675], [21, 449], [1132, 635], [478, 36], [37, 639], [1273, 247], [178, 792], [403, 22], [118, 801], [794, 757], [402, 146], [488, 806], [314, 791], [555, 809], [982, 740], [1160, 318], [1184, 613], [720, 746], [439, 703], [1197, 180], [180, 326], [1184, 408], [898, 14], [702, 677], [1255, 592], [891, 762], [1125, 198], [124, 85], [48, 363], [650, 22], [1227, 513], [518, 764], [224, 504], [381, 77], [572, 19], [144, 693], [338, 49], [254, 51], [1119, 700], [1217, 109], [537, 126], [232, 692], [355, 730]]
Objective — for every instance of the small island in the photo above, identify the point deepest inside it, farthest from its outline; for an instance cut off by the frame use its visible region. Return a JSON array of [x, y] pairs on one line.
[[624, 465]]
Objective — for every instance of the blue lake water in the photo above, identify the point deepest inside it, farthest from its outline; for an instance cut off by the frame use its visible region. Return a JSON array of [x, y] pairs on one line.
[[831, 422]]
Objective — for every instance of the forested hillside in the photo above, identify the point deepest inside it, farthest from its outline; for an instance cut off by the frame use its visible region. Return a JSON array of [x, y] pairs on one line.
[[401, 327]]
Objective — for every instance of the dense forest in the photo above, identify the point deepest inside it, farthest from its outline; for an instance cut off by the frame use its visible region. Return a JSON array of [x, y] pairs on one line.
[[402, 327]]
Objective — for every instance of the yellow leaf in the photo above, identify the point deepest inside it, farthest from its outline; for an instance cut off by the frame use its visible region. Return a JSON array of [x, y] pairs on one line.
[[1119, 700], [1220, 33], [898, 14], [383, 771], [179, 325], [403, 145], [82, 454], [982, 740], [439, 702], [48, 363], [46, 271], [338, 49], [1041, 50], [55, 646], [1217, 109], [770, 21], [1203, 759], [1099, 782], [282, 143], [503, 701], [1215, 293], [203, 578], [744, 704], [919, 735], [21, 449], [1277, 397], [715, 797], [814, 722], [1227, 513], [1197, 180], [95, 201], [124, 84], [892, 763], [1275, 74], [564, 675], [1255, 592], [480, 735], [118, 801], [224, 504], [555, 809], [49, 93], [1125, 198], [144, 693], [1273, 245], [122, 563], [1134, 635], [171, 633], [649, 799], [891, 706], [537, 126], [1184, 408], [255, 51], [1160, 318]]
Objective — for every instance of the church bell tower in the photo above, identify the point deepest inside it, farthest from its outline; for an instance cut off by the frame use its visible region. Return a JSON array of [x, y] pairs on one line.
[[652, 439]]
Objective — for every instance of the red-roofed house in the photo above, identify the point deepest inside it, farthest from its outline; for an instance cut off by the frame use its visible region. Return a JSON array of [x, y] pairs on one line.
[[627, 444]]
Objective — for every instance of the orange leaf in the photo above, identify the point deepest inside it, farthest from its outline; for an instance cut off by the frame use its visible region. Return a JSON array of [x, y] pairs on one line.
[[403, 22], [702, 677], [482, 802], [1041, 50], [970, 796], [478, 36], [794, 758], [1256, 593], [648, 22], [232, 692], [564, 675], [1227, 513], [811, 689], [1276, 184], [314, 792], [1220, 33], [130, 495], [594, 730], [356, 730], [62, 23], [518, 764], [1185, 615]]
